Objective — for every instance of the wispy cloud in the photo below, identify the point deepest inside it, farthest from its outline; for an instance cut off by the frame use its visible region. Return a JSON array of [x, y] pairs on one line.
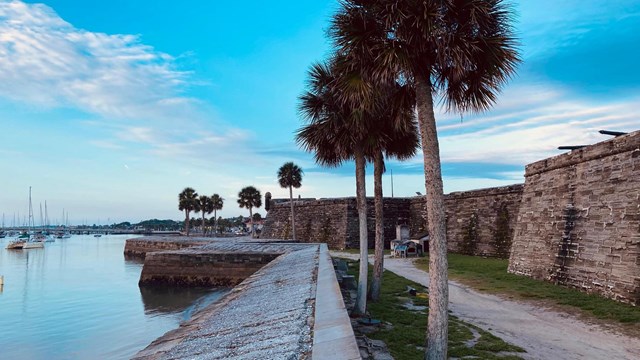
[[48, 62]]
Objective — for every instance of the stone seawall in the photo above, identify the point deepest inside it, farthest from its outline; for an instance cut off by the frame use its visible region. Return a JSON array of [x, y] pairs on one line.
[[579, 221], [197, 268], [139, 247], [287, 304]]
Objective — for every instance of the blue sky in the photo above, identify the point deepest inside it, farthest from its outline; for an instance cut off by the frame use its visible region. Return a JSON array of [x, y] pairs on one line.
[[109, 109]]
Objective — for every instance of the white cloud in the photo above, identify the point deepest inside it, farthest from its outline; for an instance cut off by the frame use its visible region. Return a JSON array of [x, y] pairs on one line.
[[523, 128], [48, 62]]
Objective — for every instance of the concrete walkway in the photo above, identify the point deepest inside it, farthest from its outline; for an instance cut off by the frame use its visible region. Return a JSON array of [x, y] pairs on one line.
[[543, 333]]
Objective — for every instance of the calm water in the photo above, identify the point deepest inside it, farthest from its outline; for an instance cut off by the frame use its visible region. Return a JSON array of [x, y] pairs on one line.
[[78, 298]]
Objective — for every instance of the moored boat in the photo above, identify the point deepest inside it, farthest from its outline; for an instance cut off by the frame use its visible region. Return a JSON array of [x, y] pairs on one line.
[[16, 244]]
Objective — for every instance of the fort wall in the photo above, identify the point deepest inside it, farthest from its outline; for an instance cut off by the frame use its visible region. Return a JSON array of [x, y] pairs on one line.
[[579, 220]]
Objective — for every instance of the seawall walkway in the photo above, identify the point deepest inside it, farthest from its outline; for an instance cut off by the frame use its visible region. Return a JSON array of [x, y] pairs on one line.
[[289, 308]]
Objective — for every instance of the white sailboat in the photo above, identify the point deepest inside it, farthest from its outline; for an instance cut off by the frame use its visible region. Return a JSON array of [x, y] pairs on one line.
[[29, 241]]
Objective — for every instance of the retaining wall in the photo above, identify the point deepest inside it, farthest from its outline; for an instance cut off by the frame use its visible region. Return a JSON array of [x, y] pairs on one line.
[[332, 221], [335, 221], [139, 247], [189, 268], [579, 222]]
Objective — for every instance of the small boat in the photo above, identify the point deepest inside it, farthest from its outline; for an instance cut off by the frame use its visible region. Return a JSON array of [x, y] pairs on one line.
[[97, 235], [33, 245], [16, 244]]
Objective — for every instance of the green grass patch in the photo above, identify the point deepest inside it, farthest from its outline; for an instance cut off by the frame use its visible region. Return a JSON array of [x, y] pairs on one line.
[[491, 276], [357, 251], [406, 335]]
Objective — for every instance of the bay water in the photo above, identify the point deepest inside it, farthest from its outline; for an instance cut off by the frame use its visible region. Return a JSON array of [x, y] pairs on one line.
[[78, 298]]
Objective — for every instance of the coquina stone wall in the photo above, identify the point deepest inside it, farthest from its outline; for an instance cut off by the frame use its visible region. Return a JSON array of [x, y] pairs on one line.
[[332, 221], [579, 221], [479, 222], [335, 221]]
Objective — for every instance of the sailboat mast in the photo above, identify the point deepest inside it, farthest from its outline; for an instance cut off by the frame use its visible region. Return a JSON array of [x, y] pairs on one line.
[[30, 209]]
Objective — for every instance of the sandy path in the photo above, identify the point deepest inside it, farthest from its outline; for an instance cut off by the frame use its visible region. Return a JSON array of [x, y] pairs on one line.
[[543, 333]]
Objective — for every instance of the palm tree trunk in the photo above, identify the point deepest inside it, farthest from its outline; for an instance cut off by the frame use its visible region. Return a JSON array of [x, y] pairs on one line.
[[253, 228], [215, 222], [186, 222], [376, 282], [361, 197], [438, 284], [293, 219], [203, 227]]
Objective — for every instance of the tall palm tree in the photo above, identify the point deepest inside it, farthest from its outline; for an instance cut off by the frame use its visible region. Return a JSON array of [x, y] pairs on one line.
[[249, 197], [217, 202], [206, 207], [333, 137], [340, 129], [187, 201], [290, 176], [461, 52]]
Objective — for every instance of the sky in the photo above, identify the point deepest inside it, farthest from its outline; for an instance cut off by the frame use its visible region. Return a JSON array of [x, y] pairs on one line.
[[108, 109]]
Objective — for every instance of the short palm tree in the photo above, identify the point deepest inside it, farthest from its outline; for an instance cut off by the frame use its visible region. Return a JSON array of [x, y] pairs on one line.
[[217, 202], [249, 198], [187, 202], [290, 176], [206, 207], [460, 51]]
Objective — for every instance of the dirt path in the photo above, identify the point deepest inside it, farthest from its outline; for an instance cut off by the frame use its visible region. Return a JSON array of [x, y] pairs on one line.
[[543, 333]]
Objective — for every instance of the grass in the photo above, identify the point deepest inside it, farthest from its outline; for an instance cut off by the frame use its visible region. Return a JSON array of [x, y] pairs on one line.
[[490, 275], [357, 251], [405, 337]]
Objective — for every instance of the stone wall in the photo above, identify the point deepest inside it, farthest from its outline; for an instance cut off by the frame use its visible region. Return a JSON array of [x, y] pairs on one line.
[[332, 221], [138, 247], [184, 268], [335, 221], [479, 222], [579, 222]]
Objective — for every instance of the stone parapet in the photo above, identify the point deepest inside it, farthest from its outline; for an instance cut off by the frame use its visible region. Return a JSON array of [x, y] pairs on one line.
[[579, 222], [139, 247]]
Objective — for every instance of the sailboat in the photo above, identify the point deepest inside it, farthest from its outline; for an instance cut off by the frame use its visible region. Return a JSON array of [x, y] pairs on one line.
[[2, 233], [28, 241]]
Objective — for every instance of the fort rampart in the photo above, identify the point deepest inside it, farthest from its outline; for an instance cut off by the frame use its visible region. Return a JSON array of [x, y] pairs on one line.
[[579, 221], [335, 221]]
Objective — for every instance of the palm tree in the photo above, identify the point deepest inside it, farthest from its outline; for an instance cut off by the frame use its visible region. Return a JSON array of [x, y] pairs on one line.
[[188, 201], [206, 207], [339, 129], [333, 138], [249, 197], [217, 202], [462, 52], [290, 175], [398, 139]]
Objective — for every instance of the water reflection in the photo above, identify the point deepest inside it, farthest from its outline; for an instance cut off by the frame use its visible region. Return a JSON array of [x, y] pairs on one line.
[[188, 301], [62, 301]]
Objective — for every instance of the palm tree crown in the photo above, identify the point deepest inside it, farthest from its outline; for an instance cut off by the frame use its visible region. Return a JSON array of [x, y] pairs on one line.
[[216, 202], [249, 197], [206, 207], [290, 175], [187, 202]]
